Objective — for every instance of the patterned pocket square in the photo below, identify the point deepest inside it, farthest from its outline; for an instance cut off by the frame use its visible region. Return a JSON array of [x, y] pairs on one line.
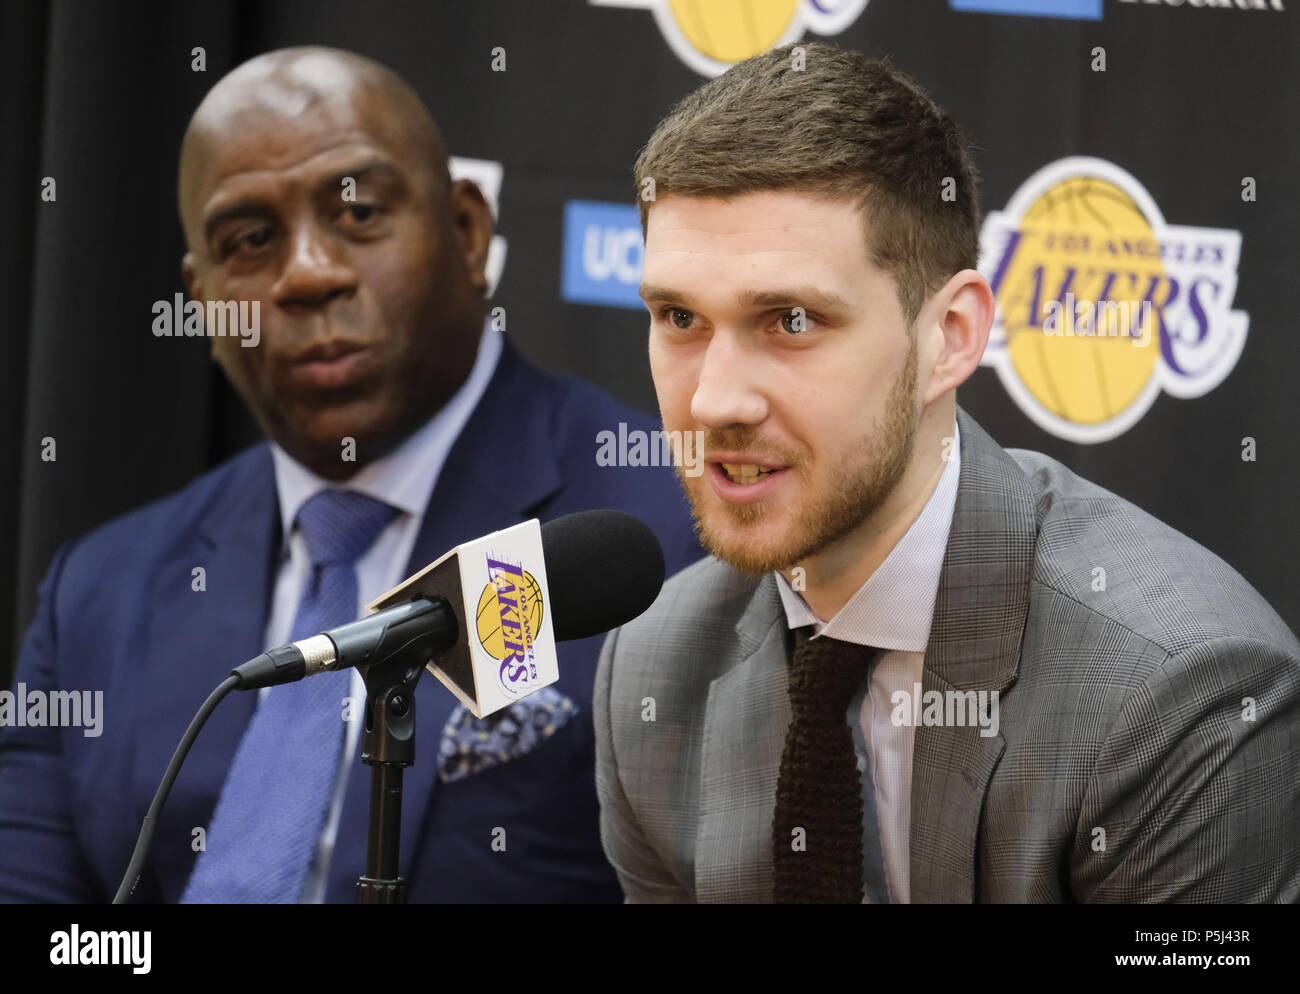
[[471, 745]]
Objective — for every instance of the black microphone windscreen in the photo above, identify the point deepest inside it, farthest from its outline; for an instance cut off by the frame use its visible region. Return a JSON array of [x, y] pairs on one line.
[[603, 568]]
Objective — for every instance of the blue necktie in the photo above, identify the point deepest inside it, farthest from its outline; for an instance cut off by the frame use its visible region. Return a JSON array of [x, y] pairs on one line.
[[272, 808]]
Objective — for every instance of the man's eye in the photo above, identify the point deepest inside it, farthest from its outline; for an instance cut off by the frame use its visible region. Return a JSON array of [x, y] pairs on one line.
[[795, 321], [256, 239], [680, 317], [361, 213]]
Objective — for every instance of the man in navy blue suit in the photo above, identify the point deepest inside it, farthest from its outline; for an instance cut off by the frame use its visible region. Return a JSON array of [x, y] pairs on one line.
[[314, 183]]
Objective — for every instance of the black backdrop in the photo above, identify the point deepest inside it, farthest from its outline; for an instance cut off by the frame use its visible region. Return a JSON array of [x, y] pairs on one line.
[[97, 95]]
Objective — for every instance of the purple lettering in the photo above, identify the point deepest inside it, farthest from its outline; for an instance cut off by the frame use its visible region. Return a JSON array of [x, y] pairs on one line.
[[1005, 261], [1166, 342], [1198, 309]]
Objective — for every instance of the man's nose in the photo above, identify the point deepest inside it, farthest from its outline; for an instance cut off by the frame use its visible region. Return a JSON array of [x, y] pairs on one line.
[[315, 271], [727, 391]]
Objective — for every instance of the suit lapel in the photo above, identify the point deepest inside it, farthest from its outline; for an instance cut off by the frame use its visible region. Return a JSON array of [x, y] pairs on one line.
[[501, 468], [979, 620], [194, 639], [745, 722]]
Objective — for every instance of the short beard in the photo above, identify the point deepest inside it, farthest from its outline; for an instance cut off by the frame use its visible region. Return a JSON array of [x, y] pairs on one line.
[[862, 489]]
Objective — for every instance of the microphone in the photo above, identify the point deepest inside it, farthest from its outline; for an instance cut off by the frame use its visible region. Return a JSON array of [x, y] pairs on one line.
[[484, 618]]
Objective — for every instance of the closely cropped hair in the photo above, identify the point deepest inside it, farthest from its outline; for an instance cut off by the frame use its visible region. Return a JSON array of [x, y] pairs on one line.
[[842, 126]]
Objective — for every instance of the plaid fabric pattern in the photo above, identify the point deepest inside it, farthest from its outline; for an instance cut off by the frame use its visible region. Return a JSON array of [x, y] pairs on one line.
[[1148, 739]]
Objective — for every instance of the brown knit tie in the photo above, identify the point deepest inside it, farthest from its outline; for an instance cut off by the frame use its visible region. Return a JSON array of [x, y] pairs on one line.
[[819, 788]]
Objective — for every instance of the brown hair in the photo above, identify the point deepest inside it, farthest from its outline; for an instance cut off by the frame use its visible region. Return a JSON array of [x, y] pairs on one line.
[[841, 126]]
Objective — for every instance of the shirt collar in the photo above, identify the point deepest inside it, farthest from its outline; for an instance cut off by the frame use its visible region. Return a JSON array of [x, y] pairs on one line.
[[895, 607], [405, 476]]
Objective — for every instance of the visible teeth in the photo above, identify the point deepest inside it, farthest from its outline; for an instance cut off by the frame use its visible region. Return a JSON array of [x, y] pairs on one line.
[[745, 472]]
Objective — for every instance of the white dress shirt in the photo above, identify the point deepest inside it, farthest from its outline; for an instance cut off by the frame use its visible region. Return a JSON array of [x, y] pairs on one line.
[[893, 610], [404, 479]]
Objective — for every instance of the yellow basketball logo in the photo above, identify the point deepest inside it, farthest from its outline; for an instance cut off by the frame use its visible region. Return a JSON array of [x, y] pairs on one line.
[[1101, 304], [508, 620], [1087, 238], [733, 30], [710, 35]]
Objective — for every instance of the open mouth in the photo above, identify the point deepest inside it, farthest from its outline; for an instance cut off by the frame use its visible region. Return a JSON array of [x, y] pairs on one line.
[[745, 473]]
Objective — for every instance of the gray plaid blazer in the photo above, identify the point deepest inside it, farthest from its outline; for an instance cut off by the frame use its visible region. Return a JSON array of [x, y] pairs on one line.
[[1149, 739]]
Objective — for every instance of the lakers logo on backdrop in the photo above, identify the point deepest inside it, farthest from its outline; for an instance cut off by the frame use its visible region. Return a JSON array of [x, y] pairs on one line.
[[508, 620], [1102, 304], [711, 35]]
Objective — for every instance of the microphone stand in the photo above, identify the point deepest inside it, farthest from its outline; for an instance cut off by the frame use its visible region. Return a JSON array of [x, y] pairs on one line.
[[391, 665], [387, 746]]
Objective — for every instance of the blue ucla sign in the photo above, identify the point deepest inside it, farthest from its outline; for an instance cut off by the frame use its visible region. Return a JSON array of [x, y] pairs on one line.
[[603, 254], [1083, 10]]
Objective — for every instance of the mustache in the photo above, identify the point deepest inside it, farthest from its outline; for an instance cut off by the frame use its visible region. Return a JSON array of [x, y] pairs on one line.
[[747, 439]]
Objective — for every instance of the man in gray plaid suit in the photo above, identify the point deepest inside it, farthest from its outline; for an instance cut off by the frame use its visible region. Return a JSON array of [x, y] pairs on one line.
[[917, 666]]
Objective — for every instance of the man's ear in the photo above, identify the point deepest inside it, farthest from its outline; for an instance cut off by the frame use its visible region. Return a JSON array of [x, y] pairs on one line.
[[191, 277], [472, 218], [962, 316], [194, 287]]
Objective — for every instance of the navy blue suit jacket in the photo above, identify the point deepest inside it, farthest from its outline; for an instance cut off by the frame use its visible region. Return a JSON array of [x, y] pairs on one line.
[[117, 614]]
